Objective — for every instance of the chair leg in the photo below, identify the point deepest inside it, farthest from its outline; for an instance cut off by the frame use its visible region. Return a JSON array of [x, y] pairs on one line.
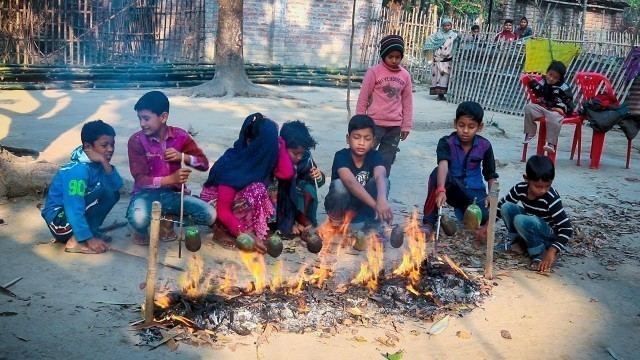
[[524, 152], [579, 146], [552, 156], [597, 144], [628, 154], [576, 136], [542, 137]]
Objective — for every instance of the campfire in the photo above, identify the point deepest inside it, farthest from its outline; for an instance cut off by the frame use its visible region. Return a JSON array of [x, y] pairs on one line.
[[423, 286]]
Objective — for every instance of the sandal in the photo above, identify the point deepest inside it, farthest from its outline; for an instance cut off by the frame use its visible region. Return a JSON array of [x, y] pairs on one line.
[[140, 239], [549, 148], [534, 264], [223, 238], [528, 138], [79, 248], [168, 235]]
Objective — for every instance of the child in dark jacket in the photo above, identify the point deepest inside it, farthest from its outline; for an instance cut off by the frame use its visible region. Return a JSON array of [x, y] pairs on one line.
[[298, 197], [84, 191], [555, 101], [465, 159]]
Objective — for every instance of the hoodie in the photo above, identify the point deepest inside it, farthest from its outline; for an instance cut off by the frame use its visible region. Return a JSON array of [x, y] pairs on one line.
[[69, 187], [387, 96]]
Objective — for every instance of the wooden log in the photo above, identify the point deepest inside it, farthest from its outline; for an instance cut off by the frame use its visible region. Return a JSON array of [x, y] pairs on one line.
[[152, 271], [491, 228]]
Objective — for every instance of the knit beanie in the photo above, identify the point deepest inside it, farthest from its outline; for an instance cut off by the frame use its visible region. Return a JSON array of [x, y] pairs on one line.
[[390, 43]]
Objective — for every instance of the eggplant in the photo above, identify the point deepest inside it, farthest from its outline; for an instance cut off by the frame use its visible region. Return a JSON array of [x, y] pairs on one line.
[[397, 236], [245, 243], [274, 246], [192, 240]]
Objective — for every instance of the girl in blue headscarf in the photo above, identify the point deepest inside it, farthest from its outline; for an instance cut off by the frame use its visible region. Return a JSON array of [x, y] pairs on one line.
[[441, 43], [238, 181]]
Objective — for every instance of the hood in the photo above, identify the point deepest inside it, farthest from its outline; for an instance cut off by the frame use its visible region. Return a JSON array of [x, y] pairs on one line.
[[78, 155]]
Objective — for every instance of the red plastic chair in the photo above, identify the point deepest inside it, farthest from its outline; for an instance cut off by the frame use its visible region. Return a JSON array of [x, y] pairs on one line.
[[592, 84], [574, 119]]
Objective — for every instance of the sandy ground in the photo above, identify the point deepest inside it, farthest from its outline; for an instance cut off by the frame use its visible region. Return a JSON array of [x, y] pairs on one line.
[[586, 306]]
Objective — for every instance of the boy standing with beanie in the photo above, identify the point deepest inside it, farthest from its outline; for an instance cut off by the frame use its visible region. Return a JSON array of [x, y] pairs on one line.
[[386, 96]]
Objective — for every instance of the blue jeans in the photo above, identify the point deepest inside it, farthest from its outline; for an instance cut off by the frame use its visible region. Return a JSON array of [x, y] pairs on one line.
[[535, 232], [99, 203], [196, 211]]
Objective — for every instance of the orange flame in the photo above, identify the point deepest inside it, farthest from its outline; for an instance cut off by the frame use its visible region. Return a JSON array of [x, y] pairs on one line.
[[230, 278], [412, 260], [455, 267], [255, 263], [370, 270], [277, 280], [192, 283], [163, 302]]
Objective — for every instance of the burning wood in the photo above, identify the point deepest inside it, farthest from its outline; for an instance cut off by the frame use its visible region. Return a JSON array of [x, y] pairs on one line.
[[419, 287]]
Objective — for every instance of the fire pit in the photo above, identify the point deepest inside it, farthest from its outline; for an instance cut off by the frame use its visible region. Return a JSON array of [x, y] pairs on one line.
[[423, 286]]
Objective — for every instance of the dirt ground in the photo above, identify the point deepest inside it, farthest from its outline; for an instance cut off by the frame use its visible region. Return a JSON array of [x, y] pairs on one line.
[[587, 308]]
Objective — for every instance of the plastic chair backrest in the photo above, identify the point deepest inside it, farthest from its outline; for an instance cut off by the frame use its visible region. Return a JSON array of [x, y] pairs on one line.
[[591, 84], [531, 96]]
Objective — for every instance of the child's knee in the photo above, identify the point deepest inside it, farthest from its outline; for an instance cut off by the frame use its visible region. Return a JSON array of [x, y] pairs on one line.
[[203, 213], [337, 189], [138, 214], [520, 222]]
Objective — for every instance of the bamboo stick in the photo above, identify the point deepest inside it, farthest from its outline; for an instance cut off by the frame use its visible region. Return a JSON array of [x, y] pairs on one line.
[[491, 229], [152, 272]]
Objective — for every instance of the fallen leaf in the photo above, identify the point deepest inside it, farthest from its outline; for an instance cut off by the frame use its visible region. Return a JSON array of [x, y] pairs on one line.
[[505, 334], [347, 322], [386, 342], [8, 313], [395, 356], [358, 339], [463, 334], [593, 300], [414, 332], [392, 336], [21, 338], [439, 326]]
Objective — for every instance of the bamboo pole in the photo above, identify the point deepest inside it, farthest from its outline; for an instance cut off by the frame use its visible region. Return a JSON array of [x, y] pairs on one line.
[[353, 27], [491, 228], [152, 271]]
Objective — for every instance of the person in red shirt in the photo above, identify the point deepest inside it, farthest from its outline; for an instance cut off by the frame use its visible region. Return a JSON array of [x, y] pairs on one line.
[[507, 32]]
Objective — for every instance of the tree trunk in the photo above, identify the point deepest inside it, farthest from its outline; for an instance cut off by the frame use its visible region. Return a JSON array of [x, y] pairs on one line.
[[23, 176], [230, 79]]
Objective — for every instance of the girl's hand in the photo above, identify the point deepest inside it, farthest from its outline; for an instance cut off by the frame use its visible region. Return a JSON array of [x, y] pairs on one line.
[[315, 173]]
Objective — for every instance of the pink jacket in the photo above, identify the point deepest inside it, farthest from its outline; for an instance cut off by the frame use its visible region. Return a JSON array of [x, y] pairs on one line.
[[386, 95]]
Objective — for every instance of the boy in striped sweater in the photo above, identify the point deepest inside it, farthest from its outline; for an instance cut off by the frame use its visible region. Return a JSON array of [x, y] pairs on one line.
[[541, 222]]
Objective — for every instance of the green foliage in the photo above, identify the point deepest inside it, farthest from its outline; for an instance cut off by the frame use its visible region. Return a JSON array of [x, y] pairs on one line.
[[635, 4], [458, 7]]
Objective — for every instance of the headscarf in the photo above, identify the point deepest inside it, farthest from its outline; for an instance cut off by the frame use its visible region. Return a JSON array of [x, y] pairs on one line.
[[246, 163], [436, 40]]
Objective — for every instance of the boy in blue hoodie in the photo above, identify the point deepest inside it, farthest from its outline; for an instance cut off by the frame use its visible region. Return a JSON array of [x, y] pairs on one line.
[[84, 191]]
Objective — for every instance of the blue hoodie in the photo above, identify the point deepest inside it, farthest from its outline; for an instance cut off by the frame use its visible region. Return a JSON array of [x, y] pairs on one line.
[[69, 187]]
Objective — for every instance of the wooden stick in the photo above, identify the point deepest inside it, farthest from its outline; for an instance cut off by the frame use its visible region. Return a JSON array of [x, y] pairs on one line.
[[10, 283], [181, 212], [144, 258], [491, 228], [152, 272]]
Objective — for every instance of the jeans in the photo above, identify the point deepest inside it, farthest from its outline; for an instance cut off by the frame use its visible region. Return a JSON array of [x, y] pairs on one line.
[[535, 232], [387, 139], [99, 203], [339, 200], [458, 196], [139, 211]]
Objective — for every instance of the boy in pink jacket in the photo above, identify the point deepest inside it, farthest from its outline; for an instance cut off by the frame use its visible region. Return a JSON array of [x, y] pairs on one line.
[[386, 96]]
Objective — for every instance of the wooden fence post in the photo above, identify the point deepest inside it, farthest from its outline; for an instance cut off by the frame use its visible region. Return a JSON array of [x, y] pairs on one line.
[[152, 271], [491, 228]]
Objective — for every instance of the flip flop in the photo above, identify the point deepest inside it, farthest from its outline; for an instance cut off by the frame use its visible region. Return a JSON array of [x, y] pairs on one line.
[[229, 242], [168, 236], [80, 249], [534, 264], [138, 239]]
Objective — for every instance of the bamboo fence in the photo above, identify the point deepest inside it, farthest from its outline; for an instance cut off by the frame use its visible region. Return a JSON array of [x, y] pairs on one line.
[[416, 26], [88, 32], [489, 73]]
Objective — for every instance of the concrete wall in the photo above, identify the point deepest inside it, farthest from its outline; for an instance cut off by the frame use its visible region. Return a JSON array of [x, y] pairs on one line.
[[296, 32]]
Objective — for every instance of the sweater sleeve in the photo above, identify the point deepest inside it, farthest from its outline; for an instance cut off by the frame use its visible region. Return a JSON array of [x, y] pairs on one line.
[[198, 160], [113, 181], [512, 197], [489, 165], [138, 164], [74, 186], [366, 90], [562, 224], [284, 168], [407, 105]]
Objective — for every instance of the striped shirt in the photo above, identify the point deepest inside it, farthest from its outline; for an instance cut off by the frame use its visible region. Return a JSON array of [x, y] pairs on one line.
[[548, 207]]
